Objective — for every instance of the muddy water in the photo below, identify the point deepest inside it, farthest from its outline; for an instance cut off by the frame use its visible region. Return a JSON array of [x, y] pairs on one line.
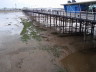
[[10, 28], [80, 62]]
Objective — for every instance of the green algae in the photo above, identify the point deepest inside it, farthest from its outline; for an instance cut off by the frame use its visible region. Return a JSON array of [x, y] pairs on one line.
[[29, 31], [56, 51]]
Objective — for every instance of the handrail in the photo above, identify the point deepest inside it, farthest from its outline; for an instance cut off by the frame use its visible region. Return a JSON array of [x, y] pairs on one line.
[[75, 14]]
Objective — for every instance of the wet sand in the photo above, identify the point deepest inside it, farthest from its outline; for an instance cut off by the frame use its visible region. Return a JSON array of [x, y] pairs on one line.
[[35, 49]]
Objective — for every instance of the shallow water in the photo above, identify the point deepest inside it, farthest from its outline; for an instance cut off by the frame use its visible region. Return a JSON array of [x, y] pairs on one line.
[[10, 22], [10, 27], [80, 62]]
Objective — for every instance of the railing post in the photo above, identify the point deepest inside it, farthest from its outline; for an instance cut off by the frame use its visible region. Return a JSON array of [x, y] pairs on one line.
[[66, 13], [94, 16], [75, 14], [60, 12], [70, 14], [50, 19], [80, 14], [86, 15], [63, 13]]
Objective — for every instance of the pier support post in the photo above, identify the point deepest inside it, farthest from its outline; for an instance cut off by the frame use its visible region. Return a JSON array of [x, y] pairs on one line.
[[85, 31], [63, 25], [80, 26], [50, 21], [92, 31], [56, 23]]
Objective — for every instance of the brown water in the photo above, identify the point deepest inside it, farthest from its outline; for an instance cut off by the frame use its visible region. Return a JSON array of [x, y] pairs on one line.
[[80, 62]]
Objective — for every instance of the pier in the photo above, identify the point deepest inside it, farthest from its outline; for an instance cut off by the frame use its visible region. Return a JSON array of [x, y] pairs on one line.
[[66, 23]]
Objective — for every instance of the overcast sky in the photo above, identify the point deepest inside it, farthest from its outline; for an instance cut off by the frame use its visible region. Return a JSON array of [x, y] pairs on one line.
[[34, 3]]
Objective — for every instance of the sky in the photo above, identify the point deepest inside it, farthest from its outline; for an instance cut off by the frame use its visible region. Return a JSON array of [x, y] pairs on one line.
[[34, 3]]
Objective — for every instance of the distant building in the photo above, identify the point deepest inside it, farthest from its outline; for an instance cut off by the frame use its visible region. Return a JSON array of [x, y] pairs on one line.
[[80, 6], [73, 1], [69, 1]]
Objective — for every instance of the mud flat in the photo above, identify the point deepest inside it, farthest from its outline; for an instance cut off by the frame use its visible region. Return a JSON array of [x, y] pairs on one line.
[[28, 46]]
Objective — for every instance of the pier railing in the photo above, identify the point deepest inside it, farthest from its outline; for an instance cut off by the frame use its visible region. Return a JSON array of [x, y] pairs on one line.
[[85, 15]]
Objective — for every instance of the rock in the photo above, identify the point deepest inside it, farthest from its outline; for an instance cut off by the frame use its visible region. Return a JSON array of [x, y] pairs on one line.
[[47, 39], [43, 36], [7, 18], [9, 24]]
